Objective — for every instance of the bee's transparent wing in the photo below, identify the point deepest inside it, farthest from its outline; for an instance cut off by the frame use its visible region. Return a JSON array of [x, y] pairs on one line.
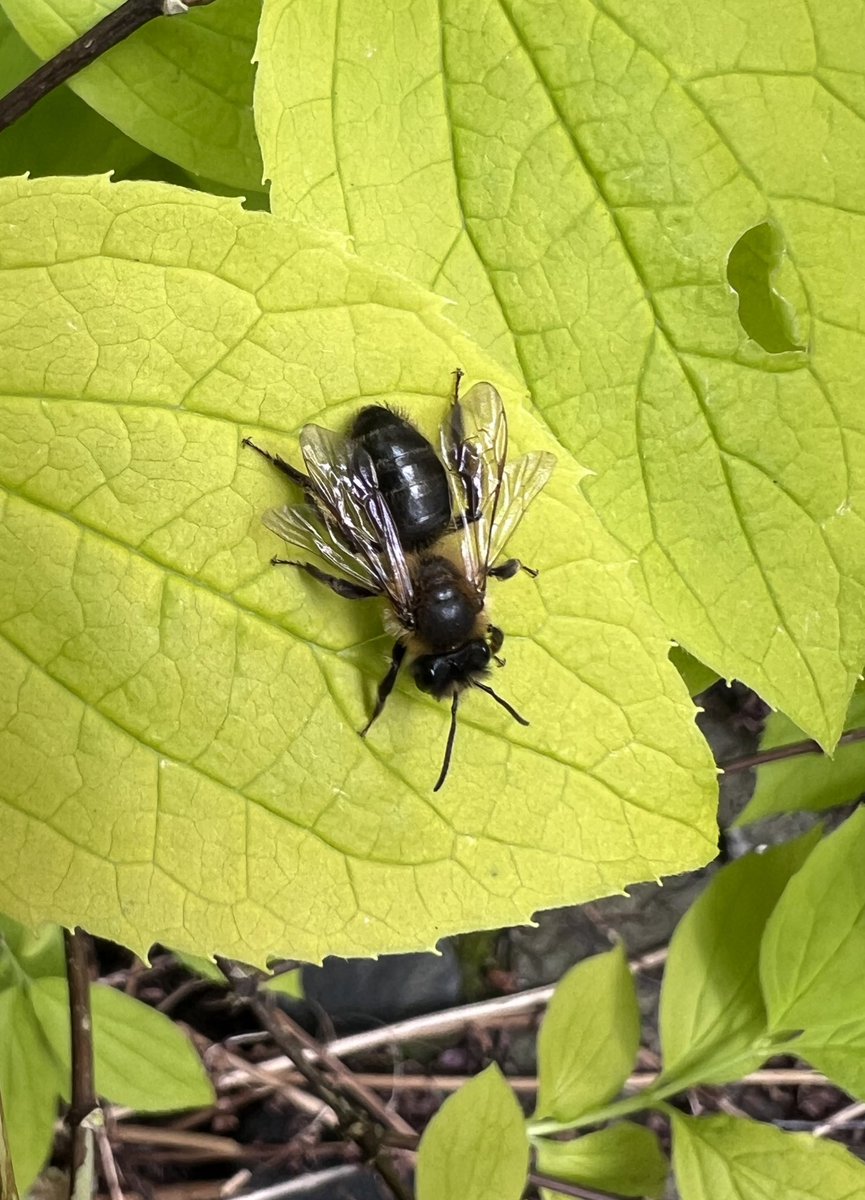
[[489, 497], [475, 446], [302, 525], [346, 492], [521, 482]]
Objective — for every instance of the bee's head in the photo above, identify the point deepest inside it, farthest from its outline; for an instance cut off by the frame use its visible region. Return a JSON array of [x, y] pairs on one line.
[[442, 675]]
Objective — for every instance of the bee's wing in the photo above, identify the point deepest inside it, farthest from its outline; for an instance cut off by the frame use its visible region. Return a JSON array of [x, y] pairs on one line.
[[352, 509], [489, 497], [302, 525], [521, 482], [475, 447]]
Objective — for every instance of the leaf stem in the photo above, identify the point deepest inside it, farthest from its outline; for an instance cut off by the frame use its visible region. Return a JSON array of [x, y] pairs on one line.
[[110, 31], [791, 750]]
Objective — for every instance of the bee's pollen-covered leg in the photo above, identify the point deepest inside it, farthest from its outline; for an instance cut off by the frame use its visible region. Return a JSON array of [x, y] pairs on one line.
[[342, 587], [386, 686]]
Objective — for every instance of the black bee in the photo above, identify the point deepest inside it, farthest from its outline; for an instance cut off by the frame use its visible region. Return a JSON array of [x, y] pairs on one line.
[[396, 520]]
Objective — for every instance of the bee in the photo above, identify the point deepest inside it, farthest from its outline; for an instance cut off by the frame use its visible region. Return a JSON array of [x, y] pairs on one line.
[[424, 530]]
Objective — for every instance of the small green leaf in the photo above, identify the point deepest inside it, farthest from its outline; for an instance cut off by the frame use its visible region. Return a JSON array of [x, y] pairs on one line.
[[182, 86], [589, 1037], [812, 955], [624, 1158], [725, 1158], [809, 782], [141, 1058], [475, 1147], [31, 1080], [181, 719], [35, 953], [697, 675], [713, 1017], [287, 983], [199, 965]]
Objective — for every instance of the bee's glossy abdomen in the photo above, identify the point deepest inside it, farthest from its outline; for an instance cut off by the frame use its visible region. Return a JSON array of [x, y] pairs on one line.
[[410, 475]]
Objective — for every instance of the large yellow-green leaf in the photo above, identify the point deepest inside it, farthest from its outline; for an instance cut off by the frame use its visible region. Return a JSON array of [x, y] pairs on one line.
[[181, 761], [182, 86], [576, 176]]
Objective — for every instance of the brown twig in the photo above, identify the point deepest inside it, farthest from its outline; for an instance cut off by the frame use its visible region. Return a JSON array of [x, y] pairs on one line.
[[360, 1112], [839, 1119], [570, 1189], [81, 1033], [791, 750], [111, 30]]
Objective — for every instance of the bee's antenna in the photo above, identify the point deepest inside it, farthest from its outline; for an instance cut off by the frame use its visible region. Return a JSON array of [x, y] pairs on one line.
[[450, 744], [498, 699]]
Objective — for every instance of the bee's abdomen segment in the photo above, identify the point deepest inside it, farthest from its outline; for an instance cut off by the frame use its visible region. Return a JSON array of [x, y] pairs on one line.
[[446, 609], [410, 475]]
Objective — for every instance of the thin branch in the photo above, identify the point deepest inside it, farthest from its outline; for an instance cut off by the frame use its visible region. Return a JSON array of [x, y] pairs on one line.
[[839, 1119], [110, 31], [81, 1033], [359, 1111], [791, 750], [571, 1189]]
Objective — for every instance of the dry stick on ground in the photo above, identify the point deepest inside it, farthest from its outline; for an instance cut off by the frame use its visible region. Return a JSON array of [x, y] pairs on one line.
[[115, 28], [791, 750], [359, 1114]]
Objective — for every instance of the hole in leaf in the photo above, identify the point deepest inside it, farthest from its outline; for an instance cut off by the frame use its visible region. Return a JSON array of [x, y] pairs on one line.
[[751, 267]]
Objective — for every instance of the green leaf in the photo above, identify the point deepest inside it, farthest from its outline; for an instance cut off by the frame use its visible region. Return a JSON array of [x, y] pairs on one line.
[[623, 1158], [179, 719], [725, 1158], [589, 1037], [576, 180], [713, 1017], [61, 135], [141, 1058], [697, 675], [475, 1147], [809, 782], [182, 86], [205, 967], [32, 953], [31, 1080], [287, 983], [811, 962]]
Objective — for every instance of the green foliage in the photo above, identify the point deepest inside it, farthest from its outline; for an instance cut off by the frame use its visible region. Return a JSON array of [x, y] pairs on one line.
[[624, 1158], [182, 87], [697, 675], [475, 1147], [141, 1058], [713, 1016], [181, 719], [724, 1158], [589, 1037], [811, 962], [576, 180], [811, 782]]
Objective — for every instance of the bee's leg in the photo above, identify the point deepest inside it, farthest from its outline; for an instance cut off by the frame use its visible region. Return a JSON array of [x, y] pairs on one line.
[[497, 639], [386, 686], [509, 568], [293, 474], [342, 587], [458, 377]]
